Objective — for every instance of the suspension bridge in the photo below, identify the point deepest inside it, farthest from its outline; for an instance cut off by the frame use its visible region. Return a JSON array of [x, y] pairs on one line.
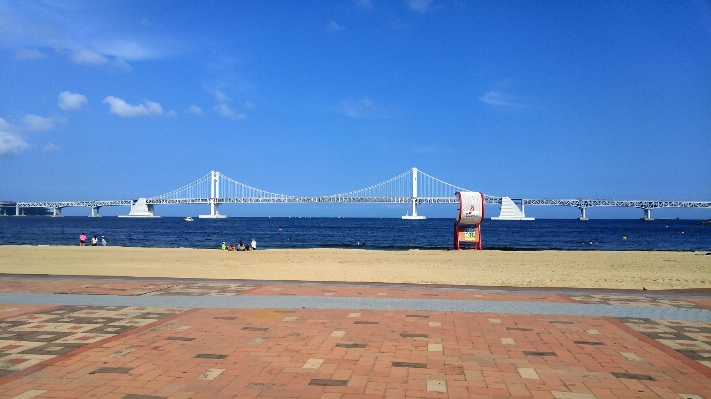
[[413, 187]]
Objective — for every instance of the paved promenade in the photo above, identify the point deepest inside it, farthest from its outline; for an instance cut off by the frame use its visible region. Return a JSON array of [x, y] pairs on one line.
[[71, 337]]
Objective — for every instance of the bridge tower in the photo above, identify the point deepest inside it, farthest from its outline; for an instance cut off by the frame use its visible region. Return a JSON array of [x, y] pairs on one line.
[[414, 215], [214, 198]]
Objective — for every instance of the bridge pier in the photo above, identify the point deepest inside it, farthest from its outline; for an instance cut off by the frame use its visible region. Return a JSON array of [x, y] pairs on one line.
[[140, 209], [582, 213], [95, 212], [647, 214], [57, 212]]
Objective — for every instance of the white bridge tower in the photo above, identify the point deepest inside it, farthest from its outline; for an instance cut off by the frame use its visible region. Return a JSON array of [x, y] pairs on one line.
[[414, 215], [214, 196]]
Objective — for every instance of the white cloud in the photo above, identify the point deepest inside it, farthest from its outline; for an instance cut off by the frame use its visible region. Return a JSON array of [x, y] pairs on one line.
[[6, 127], [128, 50], [367, 4], [333, 26], [194, 109], [88, 57], [38, 123], [50, 148], [220, 96], [419, 5], [121, 108], [501, 100], [171, 113], [11, 144], [227, 112], [249, 105], [71, 101], [71, 28], [153, 107], [29, 54], [366, 109], [120, 63]]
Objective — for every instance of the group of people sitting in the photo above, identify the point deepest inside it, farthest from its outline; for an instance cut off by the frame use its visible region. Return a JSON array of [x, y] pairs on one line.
[[240, 246]]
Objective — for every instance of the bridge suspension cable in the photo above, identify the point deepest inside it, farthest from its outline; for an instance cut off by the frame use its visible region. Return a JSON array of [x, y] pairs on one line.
[[398, 186], [231, 188], [200, 188], [432, 187]]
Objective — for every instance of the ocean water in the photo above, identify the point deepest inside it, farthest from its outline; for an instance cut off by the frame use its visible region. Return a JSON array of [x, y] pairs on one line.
[[388, 234]]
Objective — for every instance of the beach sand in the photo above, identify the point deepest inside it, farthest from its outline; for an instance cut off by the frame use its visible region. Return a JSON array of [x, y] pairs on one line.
[[579, 269]]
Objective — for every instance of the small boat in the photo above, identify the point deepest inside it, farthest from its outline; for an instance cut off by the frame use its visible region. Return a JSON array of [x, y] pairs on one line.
[[188, 219]]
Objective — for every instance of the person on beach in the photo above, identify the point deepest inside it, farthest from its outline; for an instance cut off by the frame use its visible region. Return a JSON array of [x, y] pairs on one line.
[[82, 240], [254, 244], [103, 241], [231, 247], [224, 247], [240, 246], [94, 241]]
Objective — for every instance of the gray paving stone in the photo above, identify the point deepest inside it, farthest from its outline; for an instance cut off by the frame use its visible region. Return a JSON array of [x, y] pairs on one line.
[[281, 302]]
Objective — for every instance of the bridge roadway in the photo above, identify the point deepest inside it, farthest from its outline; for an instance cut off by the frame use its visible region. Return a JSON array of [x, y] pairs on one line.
[[579, 203]]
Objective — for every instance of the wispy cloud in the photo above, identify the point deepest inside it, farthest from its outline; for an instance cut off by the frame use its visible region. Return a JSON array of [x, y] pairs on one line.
[[121, 108], [120, 63], [130, 50], [421, 6], [10, 142], [249, 105], [224, 110], [88, 57], [220, 96], [194, 109], [71, 101], [366, 4], [334, 26], [79, 32], [38, 123], [502, 100], [366, 109], [29, 54], [50, 148]]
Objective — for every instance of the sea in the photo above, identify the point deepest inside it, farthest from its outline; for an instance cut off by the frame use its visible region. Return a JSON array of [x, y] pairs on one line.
[[359, 233]]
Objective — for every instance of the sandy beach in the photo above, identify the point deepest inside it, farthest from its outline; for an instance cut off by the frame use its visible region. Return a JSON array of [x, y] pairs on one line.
[[580, 269]]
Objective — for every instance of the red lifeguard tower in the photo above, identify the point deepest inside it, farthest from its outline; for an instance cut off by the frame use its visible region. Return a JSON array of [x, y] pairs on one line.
[[467, 226]]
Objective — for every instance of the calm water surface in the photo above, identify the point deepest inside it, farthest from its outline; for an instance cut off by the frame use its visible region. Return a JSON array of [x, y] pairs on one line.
[[394, 234]]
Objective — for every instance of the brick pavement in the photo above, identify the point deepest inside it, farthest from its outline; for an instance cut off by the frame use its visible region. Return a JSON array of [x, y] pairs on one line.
[[147, 352]]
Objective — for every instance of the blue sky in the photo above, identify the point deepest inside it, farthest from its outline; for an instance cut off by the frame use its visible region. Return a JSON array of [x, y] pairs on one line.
[[561, 99]]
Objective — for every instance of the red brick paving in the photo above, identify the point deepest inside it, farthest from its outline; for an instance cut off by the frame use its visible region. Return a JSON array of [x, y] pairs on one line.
[[473, 355], [473, 361]]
